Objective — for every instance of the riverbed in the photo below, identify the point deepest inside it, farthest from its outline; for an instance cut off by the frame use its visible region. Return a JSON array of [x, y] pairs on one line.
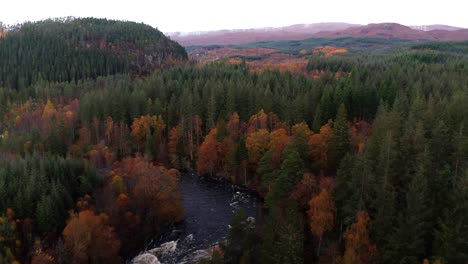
[[209, 205]]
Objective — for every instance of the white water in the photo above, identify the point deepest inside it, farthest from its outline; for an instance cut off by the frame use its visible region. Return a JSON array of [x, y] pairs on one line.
[[209, 207]]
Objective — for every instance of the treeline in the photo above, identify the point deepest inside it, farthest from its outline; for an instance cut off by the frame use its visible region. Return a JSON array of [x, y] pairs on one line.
[[48, 175], [368, 167], [70, 49]]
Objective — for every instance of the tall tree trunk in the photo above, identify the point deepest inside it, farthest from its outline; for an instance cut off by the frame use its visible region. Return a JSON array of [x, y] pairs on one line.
[[318, 248]]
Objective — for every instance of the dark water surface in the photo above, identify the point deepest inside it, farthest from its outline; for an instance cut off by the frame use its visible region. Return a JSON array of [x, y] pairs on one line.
[[209, 206]]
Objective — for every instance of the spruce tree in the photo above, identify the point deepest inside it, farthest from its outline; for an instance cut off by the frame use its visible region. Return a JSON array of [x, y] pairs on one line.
[[340, 142]]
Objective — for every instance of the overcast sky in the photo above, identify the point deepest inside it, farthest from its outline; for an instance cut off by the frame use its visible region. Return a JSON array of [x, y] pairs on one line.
[[201, 15]]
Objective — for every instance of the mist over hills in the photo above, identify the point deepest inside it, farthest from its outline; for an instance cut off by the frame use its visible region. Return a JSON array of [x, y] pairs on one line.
[[326, 30]]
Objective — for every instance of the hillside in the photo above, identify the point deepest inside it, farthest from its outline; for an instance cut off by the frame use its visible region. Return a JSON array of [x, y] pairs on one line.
[[73, 49], [243, 36], [320, 30], [435, 27], [322, 150], [393, 30]]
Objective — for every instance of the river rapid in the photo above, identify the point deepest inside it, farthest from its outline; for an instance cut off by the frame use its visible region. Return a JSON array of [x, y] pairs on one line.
[[209, 206]]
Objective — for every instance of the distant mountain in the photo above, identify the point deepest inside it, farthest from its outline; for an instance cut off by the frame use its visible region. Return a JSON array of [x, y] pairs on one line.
[[73, 49], [435, 27], [394, 30], [243, 36], [325, 30]]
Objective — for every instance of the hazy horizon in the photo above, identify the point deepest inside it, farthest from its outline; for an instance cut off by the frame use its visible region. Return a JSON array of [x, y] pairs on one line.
[[209, 15]]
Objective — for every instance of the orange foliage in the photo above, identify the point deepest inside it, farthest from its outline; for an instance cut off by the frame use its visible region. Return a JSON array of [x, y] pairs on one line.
[[3, 33], [147, 126], [90, 240], [318, 145], [257, 143], [40, 257], [140, 129], [278, 141], [39, 115], [10, 214], [358, 247], [101, 156], [305, 189], [172, 147], [301, 130], [109, 131], [49, 110], [205, 56], [152, 191], [321, 213], [257, 122], [279, 61], [329, 51], [209, 154], [233, 126], [157, 192], [359, 133], [327, 183]]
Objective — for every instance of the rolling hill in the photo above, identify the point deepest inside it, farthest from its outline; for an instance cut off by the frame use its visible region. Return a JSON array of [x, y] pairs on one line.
[[243, 36], [321, 30], [73, 49], [435, 27], [394, 30]]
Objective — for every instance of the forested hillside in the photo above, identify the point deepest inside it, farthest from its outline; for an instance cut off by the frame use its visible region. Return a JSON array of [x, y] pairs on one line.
[[368, 166], [73, 49]]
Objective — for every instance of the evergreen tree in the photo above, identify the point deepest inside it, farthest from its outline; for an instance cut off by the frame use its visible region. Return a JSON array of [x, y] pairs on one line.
[[340, 142], [283, 237], [291, 172]]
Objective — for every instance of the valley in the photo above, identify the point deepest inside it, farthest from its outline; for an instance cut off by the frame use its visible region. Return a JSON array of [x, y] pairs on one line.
[[328, 143]]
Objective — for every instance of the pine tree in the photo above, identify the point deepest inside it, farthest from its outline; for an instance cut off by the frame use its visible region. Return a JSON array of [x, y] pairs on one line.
[[340, 142], [409, 241], [291, 172], [283, 236]]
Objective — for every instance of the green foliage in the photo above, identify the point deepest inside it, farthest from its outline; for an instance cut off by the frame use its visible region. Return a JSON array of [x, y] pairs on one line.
[[358, 44], [283, 237], [291, 172], [340, 142], [44, 187], [409, 174], [73, 49], [241, 241]]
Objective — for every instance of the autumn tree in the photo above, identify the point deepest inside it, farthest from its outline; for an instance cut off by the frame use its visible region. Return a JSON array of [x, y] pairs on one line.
[[358, 247], [90, 240], [173, 147], [156, 194], [305, 189], [257, 144], [359, 133], [41, 257], [319, 145], [147, 132], [257, 122], [209, 154], [321, 215], [279, 139]]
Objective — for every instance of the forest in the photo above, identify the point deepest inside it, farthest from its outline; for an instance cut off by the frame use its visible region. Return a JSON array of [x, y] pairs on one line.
[[368, 166]]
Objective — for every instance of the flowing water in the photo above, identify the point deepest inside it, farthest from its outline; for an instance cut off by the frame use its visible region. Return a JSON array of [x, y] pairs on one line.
[[209, 206]]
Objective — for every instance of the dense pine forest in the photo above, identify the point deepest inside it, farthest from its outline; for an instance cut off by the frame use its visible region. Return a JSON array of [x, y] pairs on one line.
[[100, 118], [65, 50]]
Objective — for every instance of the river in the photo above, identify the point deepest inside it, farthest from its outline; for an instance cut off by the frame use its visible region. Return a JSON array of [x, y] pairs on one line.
[[209, 206]]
